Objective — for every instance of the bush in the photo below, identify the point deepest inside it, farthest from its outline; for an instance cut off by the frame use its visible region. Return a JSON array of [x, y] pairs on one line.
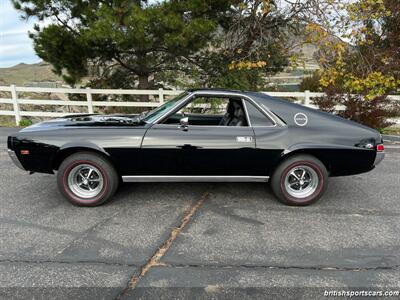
[[25, 123], [373, 113], [310, 83]]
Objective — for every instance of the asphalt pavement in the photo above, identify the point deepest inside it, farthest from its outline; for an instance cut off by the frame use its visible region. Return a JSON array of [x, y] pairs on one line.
[[186, 240]]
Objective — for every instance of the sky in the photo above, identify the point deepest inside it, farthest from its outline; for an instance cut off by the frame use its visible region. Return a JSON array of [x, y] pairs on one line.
[[15, 45]]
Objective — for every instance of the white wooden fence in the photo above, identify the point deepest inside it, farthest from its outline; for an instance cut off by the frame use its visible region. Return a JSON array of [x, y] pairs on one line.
[[304, 98]]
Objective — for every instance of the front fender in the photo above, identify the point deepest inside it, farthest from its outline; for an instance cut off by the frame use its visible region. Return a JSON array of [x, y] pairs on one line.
[[83, 145], [73, 147]]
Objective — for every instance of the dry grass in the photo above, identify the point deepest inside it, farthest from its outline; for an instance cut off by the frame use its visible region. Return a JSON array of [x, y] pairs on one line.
[[22, 74]]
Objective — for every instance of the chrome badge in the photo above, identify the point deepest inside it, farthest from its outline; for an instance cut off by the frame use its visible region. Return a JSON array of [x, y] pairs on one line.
[[244, 139], [300, 119]]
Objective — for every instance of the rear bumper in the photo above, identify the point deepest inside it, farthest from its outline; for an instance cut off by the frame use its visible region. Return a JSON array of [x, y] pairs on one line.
[[15, 159], [379, 157]]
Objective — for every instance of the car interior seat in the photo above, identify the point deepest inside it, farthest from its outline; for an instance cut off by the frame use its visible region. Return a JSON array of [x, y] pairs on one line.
[[239, 118], [235, 115]]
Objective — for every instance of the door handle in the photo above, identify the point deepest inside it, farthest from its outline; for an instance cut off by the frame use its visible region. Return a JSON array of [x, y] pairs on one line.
[[184, 123]]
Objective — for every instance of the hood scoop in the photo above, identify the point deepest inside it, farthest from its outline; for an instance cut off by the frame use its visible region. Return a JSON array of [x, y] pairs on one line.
[[82, 119], [104, 119]]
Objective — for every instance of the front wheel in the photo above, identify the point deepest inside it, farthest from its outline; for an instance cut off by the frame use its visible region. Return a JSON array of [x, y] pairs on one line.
[[299, 180], [87, 179]]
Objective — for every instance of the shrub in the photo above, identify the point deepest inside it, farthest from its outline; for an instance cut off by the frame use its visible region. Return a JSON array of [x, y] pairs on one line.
[[25, 123], [310, 83], [374, 113]]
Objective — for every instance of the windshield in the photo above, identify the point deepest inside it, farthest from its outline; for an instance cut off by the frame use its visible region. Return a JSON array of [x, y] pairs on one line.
[[154, 114]]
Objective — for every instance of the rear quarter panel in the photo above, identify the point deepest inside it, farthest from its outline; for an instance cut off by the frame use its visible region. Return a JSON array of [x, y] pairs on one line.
[[330, 138]]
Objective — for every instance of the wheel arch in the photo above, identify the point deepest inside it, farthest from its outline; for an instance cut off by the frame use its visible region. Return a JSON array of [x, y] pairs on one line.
[[68, 150], [318, 153]]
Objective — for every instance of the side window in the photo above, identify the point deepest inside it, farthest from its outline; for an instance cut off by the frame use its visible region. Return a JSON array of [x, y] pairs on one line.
[[257, 118], [211, 111], [207, 106]]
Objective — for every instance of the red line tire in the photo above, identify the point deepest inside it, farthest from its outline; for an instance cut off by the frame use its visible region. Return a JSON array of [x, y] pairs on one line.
[[299, 180], [91, 161]]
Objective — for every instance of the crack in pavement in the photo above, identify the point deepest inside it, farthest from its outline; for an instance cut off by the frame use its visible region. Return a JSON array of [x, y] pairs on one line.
[[206, 266], [77, 236], [332, 211], [281, 267], [38, 226], [157, 256], [87, 232]]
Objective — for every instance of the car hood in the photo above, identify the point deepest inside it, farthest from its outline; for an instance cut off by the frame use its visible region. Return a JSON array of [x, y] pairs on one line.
[[88, 120]]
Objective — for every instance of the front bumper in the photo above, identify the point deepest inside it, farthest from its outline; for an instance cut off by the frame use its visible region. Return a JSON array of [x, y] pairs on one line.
[[379, 157], [15, 159]]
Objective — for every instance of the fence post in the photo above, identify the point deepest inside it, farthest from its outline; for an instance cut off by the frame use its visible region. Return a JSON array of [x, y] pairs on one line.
[[307, 101], [89, 101], [161, 95], [15, 104]]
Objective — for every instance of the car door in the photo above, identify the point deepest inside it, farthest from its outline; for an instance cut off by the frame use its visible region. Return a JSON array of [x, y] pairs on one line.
[[198, 150]]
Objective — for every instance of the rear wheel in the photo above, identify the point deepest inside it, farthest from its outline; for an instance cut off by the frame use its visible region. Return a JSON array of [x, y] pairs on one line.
[[87, 179], [299, 180]]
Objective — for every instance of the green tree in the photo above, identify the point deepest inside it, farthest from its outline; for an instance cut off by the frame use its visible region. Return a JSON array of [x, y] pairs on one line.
[[108, 38], [253, 45], [119, 43]]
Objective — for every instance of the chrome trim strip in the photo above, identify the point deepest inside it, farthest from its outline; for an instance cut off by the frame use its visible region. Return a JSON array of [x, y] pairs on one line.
[[178, 104], [162, 178], [379, 157], [220, 93], [263, 110], [246, 112], [15, 159]]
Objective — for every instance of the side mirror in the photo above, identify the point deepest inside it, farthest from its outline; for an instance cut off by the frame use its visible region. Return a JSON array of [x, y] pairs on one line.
[[184, 123]]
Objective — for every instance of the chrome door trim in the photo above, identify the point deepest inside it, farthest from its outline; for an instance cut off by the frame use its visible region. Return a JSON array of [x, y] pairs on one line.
[[189, 95], [243, 96], [246, 113], [183, 102], [164, 178]]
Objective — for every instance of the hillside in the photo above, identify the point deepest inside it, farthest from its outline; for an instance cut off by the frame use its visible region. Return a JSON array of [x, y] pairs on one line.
[[41, 74], [29, 74]]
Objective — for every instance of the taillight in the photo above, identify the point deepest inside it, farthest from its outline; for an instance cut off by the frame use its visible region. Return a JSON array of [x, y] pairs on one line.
[[380, 148]]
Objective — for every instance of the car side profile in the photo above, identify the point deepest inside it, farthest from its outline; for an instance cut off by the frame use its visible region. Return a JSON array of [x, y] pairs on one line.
[[200, 135]]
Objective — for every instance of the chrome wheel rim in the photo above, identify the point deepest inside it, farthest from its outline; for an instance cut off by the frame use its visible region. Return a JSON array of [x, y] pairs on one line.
[[301, 181], [85, 181]]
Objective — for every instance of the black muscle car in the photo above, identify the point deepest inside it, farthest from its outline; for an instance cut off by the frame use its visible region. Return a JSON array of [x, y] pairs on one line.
[[201, 135]]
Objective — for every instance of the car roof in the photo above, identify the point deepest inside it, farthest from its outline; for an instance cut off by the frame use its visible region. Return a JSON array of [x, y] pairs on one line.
[[257, 96], [229, 91], [215, 90]]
